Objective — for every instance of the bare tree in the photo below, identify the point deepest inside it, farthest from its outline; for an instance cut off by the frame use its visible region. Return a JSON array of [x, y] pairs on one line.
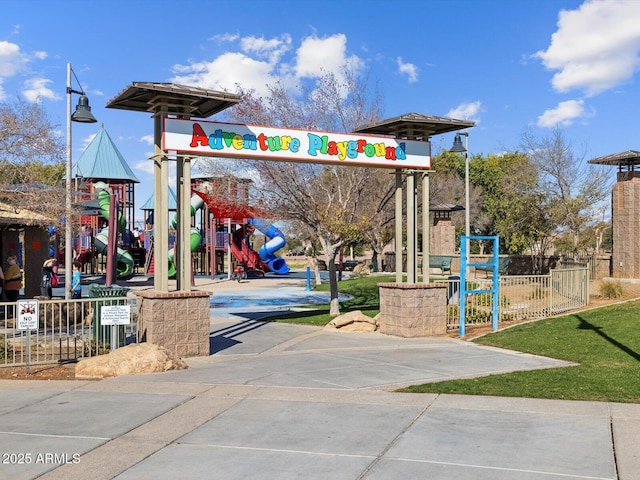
[[325, 199], [30, 160], [574, 189]]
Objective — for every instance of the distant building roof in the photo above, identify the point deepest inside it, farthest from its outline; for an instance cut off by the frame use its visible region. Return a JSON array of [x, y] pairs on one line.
[[101, 160], [10, 215], [629, 158], [445, 207], [150, 205]]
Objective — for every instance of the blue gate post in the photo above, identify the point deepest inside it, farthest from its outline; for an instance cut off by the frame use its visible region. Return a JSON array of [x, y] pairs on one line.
[[463, 280], [495, 285]]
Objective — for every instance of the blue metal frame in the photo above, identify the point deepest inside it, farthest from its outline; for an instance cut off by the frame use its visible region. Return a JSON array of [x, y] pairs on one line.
[[463, 280]]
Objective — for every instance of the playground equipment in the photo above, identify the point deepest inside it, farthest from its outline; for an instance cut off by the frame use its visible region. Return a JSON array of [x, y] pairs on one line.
[[276, 242], [194, 238], [239, 213], [264, 260], [124, 262]]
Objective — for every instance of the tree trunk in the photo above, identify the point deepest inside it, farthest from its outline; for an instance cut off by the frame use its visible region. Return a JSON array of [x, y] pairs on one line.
[[334, 311]]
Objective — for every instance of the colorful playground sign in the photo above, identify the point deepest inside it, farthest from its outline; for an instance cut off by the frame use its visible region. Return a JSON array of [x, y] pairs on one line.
[[267, 143]]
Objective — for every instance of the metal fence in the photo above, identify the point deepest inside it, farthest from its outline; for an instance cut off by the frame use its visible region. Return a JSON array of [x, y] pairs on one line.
[[521, 297], [67, 331]]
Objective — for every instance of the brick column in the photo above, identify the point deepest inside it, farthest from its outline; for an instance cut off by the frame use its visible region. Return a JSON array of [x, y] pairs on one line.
[[625, 206], [178, 321], [413, 309]]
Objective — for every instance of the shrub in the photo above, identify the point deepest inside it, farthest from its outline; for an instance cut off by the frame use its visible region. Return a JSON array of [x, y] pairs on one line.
[[611, 289], [6, 349]]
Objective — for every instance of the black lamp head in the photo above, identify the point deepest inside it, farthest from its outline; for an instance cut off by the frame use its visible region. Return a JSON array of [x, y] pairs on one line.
[[458, 147], [83, 111]]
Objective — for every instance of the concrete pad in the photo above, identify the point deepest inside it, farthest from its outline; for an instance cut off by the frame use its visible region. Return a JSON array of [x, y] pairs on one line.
[[528, 442], [221, 463], [280, 401], [26, 456], [13, 400], [626, 439], [314, 427], [88, 414]]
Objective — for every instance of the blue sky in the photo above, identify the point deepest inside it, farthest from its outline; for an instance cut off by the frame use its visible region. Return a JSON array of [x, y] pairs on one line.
[[505, 64]]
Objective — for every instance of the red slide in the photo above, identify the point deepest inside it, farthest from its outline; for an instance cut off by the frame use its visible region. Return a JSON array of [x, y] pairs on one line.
[[246, 256]]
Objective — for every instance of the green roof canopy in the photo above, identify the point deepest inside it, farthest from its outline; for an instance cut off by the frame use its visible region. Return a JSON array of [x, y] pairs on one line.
[[101, 160]]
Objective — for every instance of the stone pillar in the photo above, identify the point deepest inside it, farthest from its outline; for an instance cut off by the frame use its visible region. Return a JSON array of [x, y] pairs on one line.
[[413, 310], [178, 321], [443, 236], [625, 214]]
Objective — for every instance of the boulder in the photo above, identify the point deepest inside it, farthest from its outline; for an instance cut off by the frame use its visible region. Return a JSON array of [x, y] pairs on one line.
[[354, 321], [130, 360]]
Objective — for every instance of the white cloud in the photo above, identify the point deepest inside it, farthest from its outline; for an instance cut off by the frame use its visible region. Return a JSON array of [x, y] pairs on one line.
[[145, 166], [408, 69], [12, 59], [318, 56], [225, 72], [261, 62], [595, 47], [225, 37], [37, 89], [148, 139], [271, 49], [564, 114], [466, 111]]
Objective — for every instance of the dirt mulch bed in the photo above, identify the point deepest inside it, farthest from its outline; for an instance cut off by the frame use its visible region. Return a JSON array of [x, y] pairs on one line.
[[39, 372]]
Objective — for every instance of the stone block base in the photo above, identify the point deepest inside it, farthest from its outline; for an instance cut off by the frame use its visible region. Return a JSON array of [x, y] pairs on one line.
[[413, 309], [178, 321]]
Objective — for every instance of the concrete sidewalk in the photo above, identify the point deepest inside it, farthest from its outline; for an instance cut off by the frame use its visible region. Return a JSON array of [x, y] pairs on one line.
[[280, 401]]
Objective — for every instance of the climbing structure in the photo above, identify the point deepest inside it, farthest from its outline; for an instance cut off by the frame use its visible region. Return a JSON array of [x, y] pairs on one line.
[[102, 167]]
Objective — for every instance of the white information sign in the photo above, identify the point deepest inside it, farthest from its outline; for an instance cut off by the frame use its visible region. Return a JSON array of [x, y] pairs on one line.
[[115, 315], [27, 315]]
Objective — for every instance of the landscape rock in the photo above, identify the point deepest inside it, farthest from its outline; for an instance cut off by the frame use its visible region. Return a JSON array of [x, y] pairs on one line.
[[130, 360], [354, 321]]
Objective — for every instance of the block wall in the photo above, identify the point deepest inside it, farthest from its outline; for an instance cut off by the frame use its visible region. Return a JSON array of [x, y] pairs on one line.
[[178, 321], [413, 310]]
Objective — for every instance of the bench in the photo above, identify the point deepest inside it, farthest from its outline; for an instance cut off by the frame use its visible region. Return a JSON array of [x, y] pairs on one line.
[[443, 262], [503, 263]]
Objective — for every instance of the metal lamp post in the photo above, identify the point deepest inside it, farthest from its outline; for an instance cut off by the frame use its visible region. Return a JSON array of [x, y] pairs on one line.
[[459, 148], [83, 115]]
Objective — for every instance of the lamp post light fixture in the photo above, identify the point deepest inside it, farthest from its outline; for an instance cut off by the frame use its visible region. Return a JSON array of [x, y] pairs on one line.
[[83, 115], [458, 147]]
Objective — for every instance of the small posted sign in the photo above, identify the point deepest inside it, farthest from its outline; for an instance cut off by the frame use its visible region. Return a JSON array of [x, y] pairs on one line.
[[115, 315], [27, 315]]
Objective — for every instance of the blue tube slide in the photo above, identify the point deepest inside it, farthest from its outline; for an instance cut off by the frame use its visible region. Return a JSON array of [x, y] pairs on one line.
[[276, 242]]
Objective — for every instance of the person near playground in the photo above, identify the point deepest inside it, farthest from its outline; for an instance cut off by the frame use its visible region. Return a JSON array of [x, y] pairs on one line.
[[48, 277], [12, 282], [76, 288]]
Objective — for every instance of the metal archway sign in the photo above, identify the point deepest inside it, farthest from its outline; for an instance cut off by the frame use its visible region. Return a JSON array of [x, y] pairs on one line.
[[206, 138]]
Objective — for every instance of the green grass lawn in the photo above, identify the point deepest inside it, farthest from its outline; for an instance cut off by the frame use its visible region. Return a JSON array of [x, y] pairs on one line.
[[366, 297], [605, 342]]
